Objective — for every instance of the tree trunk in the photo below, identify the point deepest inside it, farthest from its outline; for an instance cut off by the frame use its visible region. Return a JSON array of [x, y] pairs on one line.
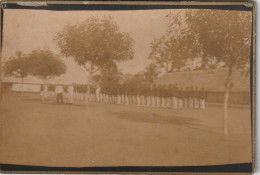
[[88, 94], [22, 89], [1, 82], [1, 91], [44, 92], [88, 89], [228, 85], [225, 119]]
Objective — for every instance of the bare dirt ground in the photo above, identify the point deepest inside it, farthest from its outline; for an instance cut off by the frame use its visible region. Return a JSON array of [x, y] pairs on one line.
[[48, 134]]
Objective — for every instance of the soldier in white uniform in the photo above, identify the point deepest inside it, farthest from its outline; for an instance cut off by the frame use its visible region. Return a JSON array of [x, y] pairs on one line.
[[118, 99], [191, 98], [157, 93], [174, 97], [203, 96], [45, 91], [153, 94], [71, 93], [169, 93], [181, 96], [98, 94], [196, 98], [163, 95], [138, 96], [148, 96], [42, 92], [186, 97]]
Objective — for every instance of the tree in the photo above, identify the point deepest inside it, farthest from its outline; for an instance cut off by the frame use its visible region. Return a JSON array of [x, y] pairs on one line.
[[45, 65], [226, 36], [223, 35], [108, 78], [18, 66], [40, 63], [172, 52], [142, 80], [95, 43], [151, 72]]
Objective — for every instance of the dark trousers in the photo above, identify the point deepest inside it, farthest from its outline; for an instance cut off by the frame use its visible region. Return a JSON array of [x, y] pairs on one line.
[[59, 98]]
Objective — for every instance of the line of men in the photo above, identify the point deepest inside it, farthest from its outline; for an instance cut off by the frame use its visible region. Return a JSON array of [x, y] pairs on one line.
[[178, 98], [171, 97]]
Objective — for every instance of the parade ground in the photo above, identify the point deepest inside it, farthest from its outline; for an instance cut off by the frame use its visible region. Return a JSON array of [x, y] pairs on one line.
[[50, 134]]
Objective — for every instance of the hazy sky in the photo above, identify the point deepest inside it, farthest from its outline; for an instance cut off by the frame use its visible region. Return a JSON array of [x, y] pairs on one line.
[[26, 30]]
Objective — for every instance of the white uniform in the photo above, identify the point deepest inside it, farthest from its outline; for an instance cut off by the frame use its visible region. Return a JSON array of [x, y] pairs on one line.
[[97, 94], [59, 89], [45, 91], [70, 93], [175, 102]]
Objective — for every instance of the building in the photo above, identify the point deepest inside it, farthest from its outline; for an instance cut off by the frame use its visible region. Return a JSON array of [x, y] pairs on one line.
[[213, 82]]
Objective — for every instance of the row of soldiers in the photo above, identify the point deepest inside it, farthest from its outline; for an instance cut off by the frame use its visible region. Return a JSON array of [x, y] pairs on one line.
[[171, 97], [150, 101], [178, 98]]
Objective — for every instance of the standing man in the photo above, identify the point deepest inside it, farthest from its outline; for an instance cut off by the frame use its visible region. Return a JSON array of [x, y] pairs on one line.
[[175, 96], [138, 99], [59, 91], [181, 97], [187, 95], [196, 98], [191, 97], [158, 95], [71, 93], [169, 96], [98, 94], [153, 101], [203, 98], [44, 91]]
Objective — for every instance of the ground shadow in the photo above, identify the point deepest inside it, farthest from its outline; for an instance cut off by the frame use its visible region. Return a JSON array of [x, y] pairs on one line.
[[156, 118], [68, 104], [33, 99]]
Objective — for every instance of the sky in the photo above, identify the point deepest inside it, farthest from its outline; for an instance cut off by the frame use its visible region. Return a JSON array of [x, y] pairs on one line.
[[26, 30]]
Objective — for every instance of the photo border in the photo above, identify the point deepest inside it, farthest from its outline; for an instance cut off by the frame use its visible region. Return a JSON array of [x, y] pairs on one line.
[[142, 5]]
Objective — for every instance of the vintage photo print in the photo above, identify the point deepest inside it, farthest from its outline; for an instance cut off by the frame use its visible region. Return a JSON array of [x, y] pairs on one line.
[[115, 87]]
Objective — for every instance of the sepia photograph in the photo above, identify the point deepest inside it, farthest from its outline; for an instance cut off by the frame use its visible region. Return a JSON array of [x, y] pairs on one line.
[[119, 87]]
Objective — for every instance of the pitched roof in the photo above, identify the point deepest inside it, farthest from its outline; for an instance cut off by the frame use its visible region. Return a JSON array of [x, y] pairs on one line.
[[211, 80]]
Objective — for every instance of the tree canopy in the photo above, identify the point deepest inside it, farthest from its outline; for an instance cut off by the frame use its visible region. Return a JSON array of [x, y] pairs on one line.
[[41, 63], [220, 36], [151, 73], [109, 78], [95, 43], [224, 35], [171, 53], [18, 66], [45, 64]]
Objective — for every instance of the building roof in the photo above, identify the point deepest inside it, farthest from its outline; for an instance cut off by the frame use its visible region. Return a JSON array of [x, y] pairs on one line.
[[211, 80]]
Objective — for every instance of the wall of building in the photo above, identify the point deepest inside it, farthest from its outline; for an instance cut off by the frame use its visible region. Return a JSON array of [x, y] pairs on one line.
[[26, 87], [241, 98]]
